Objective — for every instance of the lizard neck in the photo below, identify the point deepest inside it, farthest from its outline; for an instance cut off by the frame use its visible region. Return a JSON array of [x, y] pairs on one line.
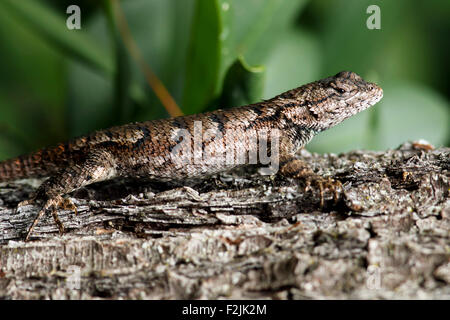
[[301, 135]]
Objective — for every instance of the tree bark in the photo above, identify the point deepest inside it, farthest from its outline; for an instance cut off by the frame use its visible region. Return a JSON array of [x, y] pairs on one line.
[[243, 235]]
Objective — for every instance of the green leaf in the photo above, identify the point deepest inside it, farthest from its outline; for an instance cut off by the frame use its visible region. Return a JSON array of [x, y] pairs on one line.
[[243, 85], [12, 141], [203, 60], [252, 28], [123, 109], [234, 28], [34, 90], [295, 61], [161, 31], [52, 27]]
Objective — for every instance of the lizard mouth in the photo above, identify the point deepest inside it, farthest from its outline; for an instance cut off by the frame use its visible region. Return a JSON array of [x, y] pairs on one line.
[[373, 96], [378, 95]]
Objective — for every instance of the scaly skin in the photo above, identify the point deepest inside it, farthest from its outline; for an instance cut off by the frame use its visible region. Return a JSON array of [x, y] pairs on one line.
[[152, 149]]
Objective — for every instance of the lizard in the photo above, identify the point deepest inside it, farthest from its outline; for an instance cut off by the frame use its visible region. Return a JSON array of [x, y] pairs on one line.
[[151, 149]]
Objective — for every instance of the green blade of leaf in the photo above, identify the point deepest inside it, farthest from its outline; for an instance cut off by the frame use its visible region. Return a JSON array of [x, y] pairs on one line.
[[203, 60], [122, 80], [243, 85], [52, 28], [252, 28], [233, 28]]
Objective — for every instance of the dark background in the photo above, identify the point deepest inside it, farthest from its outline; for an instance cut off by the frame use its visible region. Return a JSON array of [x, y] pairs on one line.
[[57, 83]]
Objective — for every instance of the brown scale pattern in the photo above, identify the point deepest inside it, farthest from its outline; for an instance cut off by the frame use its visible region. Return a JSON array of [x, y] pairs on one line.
[[144, 148]]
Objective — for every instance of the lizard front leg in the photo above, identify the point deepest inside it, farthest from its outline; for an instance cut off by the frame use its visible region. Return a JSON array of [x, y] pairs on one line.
[[298, 169], [98, 166]]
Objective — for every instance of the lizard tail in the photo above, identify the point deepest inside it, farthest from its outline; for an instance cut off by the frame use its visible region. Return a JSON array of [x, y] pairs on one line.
[[19, 168], [27, 166]]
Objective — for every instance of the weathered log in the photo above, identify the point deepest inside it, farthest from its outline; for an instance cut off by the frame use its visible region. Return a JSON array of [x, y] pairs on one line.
[[243, 235]]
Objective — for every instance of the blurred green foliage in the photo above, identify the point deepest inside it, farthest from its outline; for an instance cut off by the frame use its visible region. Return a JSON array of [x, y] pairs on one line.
[[57, 83]]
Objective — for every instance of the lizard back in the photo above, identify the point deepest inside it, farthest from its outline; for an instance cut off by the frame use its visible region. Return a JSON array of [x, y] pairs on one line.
[[211, 142]]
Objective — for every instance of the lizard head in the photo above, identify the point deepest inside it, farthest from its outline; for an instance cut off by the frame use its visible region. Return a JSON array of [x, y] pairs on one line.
[[327, 102], [343, 95]]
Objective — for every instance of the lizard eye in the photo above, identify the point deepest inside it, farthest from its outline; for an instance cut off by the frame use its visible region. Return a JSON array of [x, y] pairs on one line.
[[338, 89]]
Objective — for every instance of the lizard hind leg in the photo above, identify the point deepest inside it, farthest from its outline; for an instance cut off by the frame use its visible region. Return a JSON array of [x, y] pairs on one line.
[[51, 204], [97, 167]]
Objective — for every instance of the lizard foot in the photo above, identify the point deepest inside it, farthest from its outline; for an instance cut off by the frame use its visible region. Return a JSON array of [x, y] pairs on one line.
[[335, 186], [52, 204], [298, 169]]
